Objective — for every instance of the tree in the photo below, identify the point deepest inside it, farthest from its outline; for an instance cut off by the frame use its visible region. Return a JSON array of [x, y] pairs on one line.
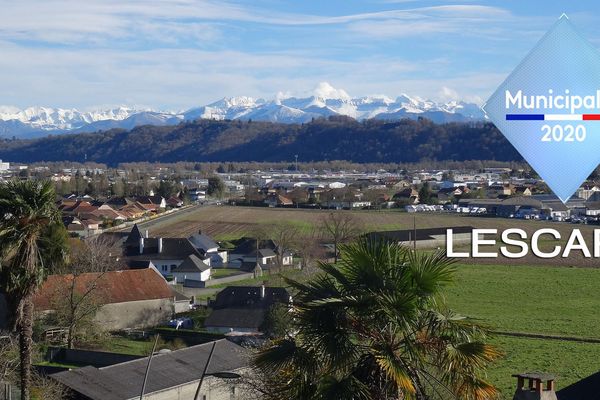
[[166, 189], [339, 227], [425, 194], [375, 327], [216, 187], [284, 235], [278, 321], [79, 296], [308, 248], [29, 248]]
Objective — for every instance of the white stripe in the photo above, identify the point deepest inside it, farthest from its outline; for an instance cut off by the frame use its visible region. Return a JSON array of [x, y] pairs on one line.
[[563, 117]]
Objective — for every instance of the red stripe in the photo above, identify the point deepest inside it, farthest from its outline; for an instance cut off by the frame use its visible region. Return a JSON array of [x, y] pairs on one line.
[[591, 117]]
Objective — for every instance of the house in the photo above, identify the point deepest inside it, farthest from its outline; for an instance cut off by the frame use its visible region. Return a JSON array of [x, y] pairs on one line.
[[74, 225], [242, 309], [174, 202], [152, 202], [191, 269], [197, 194], [247, 255], [172, 375], [277, 200], [408, 195], [164, 253], [130, 298], [501, 190], [424, 238], [209, 248]]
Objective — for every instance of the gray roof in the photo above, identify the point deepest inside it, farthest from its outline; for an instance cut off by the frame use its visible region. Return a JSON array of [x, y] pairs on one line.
[[250, 297], [124, 381], [172, 249], [203, 242], [588, 388], [249, 318], [191, 264]]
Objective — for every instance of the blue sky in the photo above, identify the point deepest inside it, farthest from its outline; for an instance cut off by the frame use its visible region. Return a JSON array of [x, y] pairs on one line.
[[174, 55]]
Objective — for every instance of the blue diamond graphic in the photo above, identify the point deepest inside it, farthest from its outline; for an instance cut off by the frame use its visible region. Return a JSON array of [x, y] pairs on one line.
[[547, 108]]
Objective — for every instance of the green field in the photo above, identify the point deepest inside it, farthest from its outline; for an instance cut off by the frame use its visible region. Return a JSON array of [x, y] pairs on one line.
[[554, 301]]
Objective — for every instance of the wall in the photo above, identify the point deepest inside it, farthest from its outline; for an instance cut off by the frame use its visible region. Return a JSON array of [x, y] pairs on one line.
[[135, 314], [213, 388], [228, 279], [439, 241], [96, 359], [227, 329]]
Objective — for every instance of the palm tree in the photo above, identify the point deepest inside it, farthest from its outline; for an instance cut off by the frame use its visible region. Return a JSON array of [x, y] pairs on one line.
[[375, 327], [32, 240]]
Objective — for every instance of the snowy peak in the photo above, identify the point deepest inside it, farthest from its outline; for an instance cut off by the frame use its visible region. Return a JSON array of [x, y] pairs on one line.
[[324, 101]]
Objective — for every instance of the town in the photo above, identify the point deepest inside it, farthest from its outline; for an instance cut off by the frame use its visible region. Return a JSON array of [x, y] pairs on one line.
[[97, 198], [161, 266]]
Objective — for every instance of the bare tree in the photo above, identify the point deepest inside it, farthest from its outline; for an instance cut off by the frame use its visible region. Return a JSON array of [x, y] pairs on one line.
[[284, 235], [339, 227], [9, 358], [307, 245], [79, 296]]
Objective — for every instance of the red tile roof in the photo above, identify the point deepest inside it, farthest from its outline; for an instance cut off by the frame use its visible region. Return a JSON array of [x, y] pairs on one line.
[[113, 286]]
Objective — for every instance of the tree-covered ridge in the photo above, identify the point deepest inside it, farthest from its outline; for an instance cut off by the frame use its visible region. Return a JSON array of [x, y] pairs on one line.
[[335, 138]]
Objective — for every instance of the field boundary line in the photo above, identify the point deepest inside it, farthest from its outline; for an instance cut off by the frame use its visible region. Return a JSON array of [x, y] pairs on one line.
[[546, 336]]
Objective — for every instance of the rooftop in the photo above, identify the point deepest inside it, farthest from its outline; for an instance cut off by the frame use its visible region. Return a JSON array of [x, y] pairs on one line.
[[168, 370]]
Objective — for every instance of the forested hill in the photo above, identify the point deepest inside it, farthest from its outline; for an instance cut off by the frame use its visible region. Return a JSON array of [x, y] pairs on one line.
[[337, 138]]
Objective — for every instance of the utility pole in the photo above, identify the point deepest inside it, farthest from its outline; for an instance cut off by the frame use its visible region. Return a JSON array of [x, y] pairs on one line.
[[296, 155], [205, 369], [415, 231]]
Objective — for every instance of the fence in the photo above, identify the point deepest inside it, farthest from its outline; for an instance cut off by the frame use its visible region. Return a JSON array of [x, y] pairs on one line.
[[9, 391], [86, 357], [192, 283]]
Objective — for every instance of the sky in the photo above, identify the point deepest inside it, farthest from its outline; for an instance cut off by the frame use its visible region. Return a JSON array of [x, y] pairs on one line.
[[178, 54]]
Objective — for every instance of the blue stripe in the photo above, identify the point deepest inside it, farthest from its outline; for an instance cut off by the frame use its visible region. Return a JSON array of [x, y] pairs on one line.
[[524, 117]]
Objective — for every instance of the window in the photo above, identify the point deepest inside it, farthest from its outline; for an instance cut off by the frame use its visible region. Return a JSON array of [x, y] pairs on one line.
[[164, 268]]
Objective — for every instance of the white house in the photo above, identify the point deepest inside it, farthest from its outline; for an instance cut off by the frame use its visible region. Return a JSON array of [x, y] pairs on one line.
[[209, 248], [192, 268]]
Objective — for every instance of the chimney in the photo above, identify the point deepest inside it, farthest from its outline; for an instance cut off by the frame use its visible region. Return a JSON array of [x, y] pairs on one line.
[[141, 245], [534, 386], [159, 245], [146, 235]]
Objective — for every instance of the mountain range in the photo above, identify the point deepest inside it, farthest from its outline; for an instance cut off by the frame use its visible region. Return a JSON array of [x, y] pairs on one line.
[[325, 101]]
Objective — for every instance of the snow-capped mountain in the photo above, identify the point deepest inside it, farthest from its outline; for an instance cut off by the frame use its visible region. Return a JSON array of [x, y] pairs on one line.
[[325, 101]]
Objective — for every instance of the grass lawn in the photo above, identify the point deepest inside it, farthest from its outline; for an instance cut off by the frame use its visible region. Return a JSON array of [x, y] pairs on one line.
[[221, 272], [123, 345], [61, 365], [550, 300], [569, 361], [547, 300]]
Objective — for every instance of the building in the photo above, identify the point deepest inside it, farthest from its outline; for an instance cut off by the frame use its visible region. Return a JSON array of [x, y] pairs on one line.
[[131, 298], [191, 270], [242, 309], [165, 253], [209, 248], [246, 255], [173, 375], [425, 238]]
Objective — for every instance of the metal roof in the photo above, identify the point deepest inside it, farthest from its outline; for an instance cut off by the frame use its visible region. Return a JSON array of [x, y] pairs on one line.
[[168, 370]]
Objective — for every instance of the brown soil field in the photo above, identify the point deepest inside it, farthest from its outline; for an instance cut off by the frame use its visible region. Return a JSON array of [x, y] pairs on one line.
[[229, 222]]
